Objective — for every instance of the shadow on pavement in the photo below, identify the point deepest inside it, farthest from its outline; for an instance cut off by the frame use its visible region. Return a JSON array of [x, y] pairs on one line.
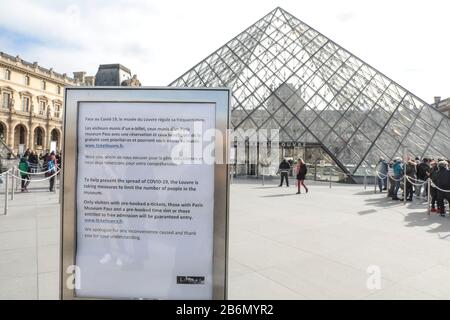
[[422, 219], [280, 195]]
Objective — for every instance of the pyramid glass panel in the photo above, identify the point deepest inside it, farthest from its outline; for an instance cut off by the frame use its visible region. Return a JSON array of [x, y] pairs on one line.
[[285, 75]]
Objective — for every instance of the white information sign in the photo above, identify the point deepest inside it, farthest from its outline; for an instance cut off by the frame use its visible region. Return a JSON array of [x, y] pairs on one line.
[[53, 146], [21, 149], [144, 224]]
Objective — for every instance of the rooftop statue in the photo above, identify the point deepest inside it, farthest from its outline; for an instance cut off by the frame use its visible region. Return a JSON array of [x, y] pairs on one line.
[[133, 82]]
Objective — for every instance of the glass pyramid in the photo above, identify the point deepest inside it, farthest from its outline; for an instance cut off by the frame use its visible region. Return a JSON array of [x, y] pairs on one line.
[[285, 75]]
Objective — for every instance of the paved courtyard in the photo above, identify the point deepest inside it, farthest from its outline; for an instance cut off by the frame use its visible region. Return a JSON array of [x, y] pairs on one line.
[[282, 245]]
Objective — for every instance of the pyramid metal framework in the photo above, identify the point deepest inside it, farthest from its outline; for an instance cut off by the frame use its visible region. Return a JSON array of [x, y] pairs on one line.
[[286, 75]]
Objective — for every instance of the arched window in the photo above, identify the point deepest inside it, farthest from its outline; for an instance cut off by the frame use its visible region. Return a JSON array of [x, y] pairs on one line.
[[2, 132], [39, 136], [58, 89], [43, 85], [22, 135], [26, 80], [54, 135]]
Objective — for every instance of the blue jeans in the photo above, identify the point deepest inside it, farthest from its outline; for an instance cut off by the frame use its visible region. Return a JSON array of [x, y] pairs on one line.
[[397, 185], [382, 182]]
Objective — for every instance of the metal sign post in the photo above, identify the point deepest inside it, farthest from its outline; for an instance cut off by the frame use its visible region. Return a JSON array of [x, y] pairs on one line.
[[330, 177], [12, 182], [388, 184], [375, 181], [365, 179], [404, 187], [429, 196], [6, 193]]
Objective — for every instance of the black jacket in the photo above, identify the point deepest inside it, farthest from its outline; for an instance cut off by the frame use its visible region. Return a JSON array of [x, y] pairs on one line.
[[284, 165], [301, 175], [422, 170], [443, 179], [433, 174]]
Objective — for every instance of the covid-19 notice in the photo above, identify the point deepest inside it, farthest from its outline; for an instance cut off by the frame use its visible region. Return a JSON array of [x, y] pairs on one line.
[[144, 200]]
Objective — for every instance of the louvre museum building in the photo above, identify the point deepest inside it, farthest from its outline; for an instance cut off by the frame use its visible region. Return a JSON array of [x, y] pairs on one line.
[[327, 103]]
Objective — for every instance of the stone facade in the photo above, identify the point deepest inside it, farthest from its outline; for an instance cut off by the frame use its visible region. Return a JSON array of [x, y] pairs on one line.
[[31, 104], [31, 101], [443, 106]]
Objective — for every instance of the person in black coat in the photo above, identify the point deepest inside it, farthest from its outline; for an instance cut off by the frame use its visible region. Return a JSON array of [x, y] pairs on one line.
[[284, 172], [443, 183], [433, 177], [301, 171], [423, 169]]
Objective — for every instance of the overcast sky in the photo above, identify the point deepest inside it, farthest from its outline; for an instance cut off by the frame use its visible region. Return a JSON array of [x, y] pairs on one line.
[[160, 40]]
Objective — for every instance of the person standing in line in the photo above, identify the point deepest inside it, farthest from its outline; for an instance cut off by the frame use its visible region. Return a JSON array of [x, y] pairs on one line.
[[391, 180], [411, 174], [443, 183], [33, 161], [25, 177], [301, 170], [398, 174], [422, 175], [284, 172], [382, 168], [433, 177], [52, 166]]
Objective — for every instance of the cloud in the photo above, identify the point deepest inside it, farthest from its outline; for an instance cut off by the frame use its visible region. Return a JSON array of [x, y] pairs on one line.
[[161, 40], [345, 16]]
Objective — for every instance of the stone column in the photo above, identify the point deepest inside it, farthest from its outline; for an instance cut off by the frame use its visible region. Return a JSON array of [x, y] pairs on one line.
[[10, 137], [30, 142]]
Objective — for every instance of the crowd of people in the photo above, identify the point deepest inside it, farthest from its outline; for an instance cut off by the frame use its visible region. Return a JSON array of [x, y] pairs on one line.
[[30, 163], [416, 174]]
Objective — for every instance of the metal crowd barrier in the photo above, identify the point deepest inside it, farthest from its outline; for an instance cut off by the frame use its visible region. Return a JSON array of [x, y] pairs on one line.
[[14, 174]]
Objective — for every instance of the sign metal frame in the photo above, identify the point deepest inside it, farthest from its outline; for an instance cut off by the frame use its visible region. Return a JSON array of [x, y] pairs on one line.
[[76, 95]]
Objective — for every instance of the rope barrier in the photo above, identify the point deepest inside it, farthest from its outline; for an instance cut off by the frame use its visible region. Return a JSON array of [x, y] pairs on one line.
[[21, 179], [442, 190], [415, 184], [381, 175], [1, 175], [35, 173], [397, 180]]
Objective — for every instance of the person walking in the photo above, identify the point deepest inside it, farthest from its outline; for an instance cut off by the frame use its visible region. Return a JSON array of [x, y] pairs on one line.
[[398, 174], [301, 170], [284, 172], [25, 177], [382, 174]]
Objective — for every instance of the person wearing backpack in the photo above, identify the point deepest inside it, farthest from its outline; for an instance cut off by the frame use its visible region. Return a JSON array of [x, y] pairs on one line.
[[23, 167], [301, 171], [52, 167]]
